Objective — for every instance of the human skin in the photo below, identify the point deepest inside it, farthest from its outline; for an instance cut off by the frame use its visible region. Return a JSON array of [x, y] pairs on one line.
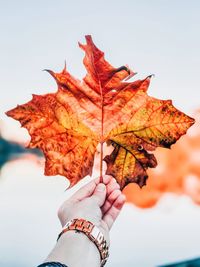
[[99, 203]]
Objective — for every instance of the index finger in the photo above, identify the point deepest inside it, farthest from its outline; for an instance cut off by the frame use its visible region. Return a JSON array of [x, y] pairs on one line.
[[88, 189]]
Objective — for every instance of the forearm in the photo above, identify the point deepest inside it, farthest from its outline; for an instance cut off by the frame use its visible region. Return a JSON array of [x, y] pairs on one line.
[[75, 250]]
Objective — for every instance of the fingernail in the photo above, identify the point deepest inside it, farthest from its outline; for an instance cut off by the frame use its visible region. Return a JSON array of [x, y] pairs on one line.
[[101, 187]]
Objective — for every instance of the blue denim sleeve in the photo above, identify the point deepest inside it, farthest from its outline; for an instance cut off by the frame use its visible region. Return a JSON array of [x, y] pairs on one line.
[[52, 264]]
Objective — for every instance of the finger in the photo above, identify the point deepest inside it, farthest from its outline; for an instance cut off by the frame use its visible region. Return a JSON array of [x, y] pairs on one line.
[[111, 215], [99, 194], [85, 191], [110, 200], [107, 179], [88, 189], [111, 186]]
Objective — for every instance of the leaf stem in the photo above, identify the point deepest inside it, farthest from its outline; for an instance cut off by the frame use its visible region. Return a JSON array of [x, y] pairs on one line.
[[101, 142], [101, 163]]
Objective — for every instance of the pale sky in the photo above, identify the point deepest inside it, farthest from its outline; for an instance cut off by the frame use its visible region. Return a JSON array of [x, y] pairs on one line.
[[158, 36]]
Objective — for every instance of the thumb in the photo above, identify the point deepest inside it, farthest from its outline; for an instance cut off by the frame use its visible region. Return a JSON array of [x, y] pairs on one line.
[[99, 194]]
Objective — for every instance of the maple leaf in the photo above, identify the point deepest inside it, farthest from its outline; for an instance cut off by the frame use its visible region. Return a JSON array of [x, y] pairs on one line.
[[104, 107]]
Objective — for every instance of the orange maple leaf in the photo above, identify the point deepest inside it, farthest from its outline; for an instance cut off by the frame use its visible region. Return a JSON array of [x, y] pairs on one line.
[[68, 125]]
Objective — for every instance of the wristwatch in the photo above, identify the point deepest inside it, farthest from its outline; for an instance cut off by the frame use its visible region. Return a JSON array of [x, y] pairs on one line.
[[92, 232]]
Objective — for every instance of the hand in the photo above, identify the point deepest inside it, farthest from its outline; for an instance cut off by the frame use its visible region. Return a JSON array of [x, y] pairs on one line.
[[96, 202]]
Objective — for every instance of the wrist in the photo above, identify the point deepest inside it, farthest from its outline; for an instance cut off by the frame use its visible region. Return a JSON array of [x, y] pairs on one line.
[[76, 250], [92, 232]]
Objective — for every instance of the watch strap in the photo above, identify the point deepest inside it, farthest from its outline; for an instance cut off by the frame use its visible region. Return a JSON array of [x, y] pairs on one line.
[[92, 232]]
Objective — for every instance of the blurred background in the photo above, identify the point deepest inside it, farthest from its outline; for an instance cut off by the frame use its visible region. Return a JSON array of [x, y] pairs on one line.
[[160, 223]]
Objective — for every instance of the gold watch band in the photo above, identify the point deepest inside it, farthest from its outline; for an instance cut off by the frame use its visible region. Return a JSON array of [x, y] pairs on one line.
[[92, 232]]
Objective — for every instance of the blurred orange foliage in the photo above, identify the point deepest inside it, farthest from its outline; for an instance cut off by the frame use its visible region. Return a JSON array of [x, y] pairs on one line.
[[178, 171]]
